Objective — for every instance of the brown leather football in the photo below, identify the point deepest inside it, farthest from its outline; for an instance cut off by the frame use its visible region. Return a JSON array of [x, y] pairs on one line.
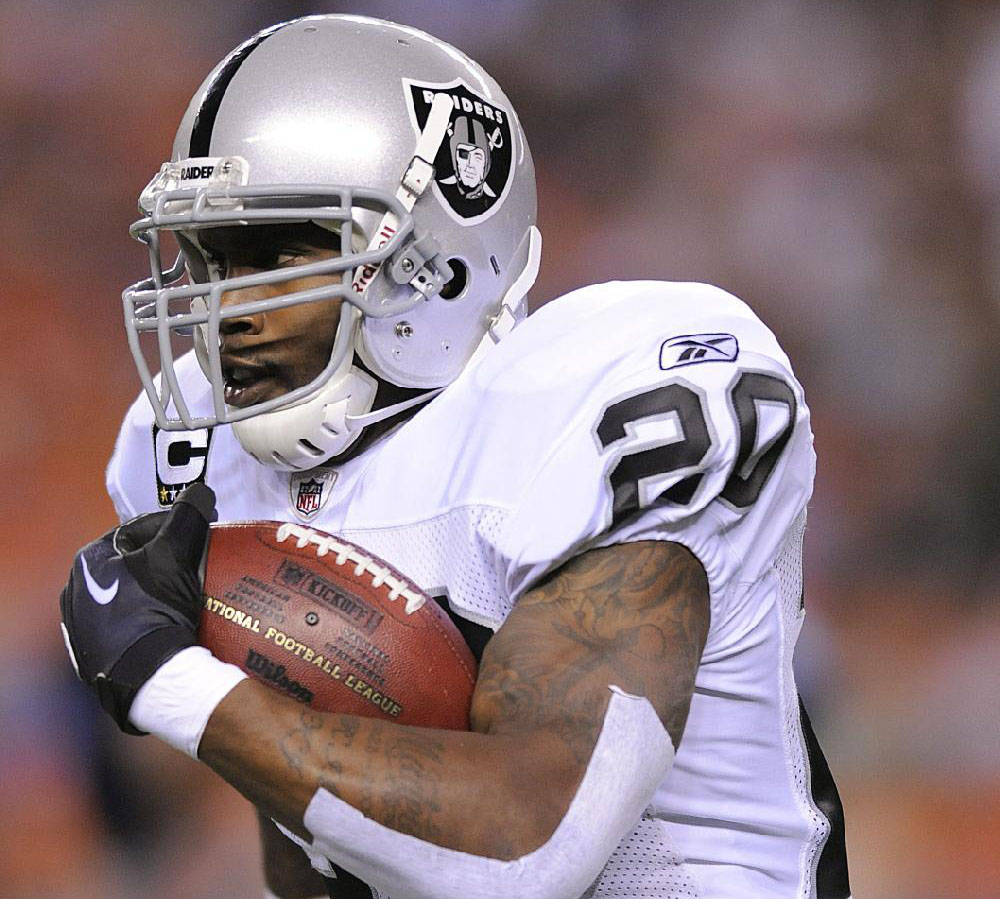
[[332, 626]]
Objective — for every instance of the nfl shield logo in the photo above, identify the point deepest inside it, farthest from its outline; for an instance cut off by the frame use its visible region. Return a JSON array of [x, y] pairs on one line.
[[309, 492], [309, 497]]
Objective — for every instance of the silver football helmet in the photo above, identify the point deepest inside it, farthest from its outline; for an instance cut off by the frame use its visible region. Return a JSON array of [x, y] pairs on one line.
[[390, 138]]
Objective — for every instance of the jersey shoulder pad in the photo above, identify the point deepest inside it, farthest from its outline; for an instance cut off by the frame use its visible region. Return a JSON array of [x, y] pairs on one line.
[[653, 411], [613, 329]]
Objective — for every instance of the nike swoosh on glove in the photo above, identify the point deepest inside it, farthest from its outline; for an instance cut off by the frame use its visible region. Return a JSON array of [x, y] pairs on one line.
[[134, 599]]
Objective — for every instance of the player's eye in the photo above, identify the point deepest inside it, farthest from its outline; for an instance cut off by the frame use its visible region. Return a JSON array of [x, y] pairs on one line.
[[262, 258], [463, 154], [284, 257]]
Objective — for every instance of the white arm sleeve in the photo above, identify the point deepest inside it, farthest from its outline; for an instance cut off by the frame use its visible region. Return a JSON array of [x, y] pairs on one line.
[[632, 755]]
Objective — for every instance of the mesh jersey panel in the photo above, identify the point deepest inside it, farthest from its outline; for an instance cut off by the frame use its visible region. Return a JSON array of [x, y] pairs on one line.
[[788, 567], [449, 554], [645, 866]]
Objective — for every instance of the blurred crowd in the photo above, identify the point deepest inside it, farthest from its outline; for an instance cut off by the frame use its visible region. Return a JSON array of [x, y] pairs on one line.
[[836, 163]]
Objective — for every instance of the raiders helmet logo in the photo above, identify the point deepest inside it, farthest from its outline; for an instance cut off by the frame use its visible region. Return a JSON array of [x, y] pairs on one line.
[[472, 169]]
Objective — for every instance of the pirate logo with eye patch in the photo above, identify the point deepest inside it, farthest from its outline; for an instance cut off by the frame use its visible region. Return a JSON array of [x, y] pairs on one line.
[[472, 168]]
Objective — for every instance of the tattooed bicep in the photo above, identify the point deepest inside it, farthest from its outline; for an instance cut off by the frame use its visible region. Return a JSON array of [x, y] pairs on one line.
[[635, 615]]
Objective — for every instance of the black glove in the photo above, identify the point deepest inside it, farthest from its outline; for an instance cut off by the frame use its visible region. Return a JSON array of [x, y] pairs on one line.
[[134, 599]]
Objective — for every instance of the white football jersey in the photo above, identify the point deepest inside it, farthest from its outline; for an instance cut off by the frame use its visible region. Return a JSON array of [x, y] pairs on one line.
[[619, 412]]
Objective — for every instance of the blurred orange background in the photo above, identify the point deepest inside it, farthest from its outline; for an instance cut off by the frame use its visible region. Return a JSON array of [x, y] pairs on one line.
[[836, 163]]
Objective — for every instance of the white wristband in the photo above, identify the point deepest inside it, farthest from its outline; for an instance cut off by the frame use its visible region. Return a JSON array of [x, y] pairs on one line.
[[177, 701]]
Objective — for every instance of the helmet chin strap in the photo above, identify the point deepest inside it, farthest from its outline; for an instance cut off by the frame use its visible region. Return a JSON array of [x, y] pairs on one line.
[[415, 180], [358, 422], [418, 175], [512, 305]]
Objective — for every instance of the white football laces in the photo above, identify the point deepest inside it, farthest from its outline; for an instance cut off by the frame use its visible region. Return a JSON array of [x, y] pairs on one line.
[[381, 574]]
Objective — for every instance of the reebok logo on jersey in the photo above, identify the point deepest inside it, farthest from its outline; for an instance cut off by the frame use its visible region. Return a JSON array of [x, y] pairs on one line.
[[101, 595], [691, 349]]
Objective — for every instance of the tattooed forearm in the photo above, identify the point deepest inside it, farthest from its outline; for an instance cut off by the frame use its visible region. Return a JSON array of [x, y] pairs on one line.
[[395, 779], [297, 744], [418, 767], [633, 615], [400, 779]]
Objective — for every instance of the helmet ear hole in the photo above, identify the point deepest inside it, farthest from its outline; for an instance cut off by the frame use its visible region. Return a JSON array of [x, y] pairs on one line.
[[459, 280]]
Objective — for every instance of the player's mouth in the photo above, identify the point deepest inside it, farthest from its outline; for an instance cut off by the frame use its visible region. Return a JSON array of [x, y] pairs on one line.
[[248, 383]]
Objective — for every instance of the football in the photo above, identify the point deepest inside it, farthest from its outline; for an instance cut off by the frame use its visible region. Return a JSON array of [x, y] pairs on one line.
[[332, 626]]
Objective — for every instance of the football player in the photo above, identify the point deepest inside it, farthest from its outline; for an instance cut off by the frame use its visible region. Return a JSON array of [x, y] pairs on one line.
[[608, 497]]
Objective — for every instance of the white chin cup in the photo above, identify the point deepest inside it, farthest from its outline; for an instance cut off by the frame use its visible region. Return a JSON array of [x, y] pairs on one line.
[[632, 756], [315, 429], [307, 434]]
